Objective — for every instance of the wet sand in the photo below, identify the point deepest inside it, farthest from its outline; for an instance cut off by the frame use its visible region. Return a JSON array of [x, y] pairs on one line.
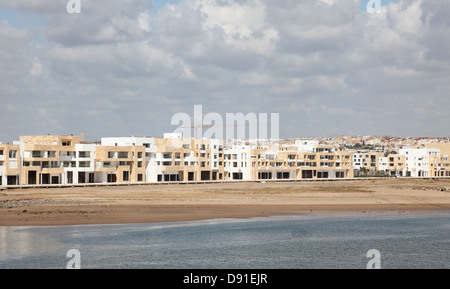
[[187, 202]]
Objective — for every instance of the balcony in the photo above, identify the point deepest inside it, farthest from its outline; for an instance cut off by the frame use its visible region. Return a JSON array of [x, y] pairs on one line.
[[84, 155], [105, 167], [329, 158], [84, 165], [52, 166], [326, 164], [118, 155]]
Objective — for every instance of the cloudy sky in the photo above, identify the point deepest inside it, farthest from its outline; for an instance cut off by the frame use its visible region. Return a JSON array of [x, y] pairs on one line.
[[125, 67]]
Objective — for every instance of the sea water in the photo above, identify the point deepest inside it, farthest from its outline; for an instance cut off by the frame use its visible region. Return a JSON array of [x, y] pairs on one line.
[[295, 242]]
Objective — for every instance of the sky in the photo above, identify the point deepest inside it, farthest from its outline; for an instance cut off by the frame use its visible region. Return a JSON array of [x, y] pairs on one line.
[[122, 68]]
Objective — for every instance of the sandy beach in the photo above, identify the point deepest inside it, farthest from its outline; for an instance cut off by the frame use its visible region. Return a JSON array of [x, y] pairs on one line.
[[186, 202]]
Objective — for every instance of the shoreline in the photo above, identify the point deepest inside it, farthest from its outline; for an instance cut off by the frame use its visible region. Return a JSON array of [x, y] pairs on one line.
[[70, 217], [179, 203]]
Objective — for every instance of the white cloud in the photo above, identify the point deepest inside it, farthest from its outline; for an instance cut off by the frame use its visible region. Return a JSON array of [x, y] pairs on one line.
[[318, 63], [36, 69], [144, 22]]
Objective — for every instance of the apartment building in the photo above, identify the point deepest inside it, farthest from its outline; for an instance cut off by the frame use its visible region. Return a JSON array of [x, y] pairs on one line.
[[50, 159], [178, 159], [369, 163], [417, 160], [9, 164], [302, 160], [439, 164], [237, 163], [53, 160]]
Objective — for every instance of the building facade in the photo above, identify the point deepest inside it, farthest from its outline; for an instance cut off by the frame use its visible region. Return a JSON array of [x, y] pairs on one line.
[[65, 160]]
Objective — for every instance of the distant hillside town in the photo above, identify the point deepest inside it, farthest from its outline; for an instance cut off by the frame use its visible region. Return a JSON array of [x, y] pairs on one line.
[[66, 160]]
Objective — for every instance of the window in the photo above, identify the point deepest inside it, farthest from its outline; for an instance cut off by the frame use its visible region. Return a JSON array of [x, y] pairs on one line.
[[1, 152], [139, 164], [85, 164], [12, 154], [84, 154], [66, 143], [123, 155], [36, 154]]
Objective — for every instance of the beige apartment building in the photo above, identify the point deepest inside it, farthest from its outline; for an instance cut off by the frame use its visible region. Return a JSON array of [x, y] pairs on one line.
[[119, 164], [43, 158], [396, 165], [65, 160], [177, 159], [439, 165], [290, 162]]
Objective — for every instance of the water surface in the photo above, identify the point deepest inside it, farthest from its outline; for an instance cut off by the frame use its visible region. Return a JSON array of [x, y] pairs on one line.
[[413, 241]]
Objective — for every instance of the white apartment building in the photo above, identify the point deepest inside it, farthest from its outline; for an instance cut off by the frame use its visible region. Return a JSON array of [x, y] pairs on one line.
[[358, 161], [383, 164], [417, 160], [306, 146], [237, 162], [146, 160]]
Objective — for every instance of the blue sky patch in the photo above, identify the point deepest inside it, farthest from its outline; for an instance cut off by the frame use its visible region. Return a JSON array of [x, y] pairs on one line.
[[363, 4], [22, 19]]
